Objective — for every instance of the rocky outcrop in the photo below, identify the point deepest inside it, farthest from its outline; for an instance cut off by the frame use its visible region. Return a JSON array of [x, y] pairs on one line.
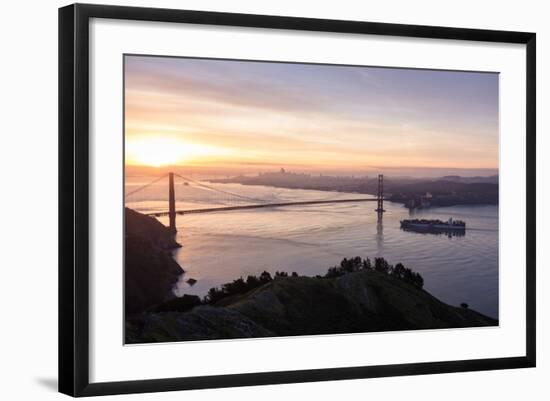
[[150, 229], [150, 271], [362, 301]]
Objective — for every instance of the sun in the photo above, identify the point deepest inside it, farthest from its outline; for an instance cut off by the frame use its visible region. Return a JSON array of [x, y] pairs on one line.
[[154, 151], [158, 151]]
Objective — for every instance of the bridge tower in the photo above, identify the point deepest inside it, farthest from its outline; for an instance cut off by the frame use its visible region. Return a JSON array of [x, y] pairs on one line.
[[171, 202], [380, 195]]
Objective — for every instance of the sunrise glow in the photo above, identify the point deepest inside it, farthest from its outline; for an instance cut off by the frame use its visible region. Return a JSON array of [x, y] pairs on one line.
[[158, 151], [313, 118]]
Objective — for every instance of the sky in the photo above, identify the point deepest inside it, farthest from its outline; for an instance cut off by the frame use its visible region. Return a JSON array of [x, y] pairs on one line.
[[308, 117]]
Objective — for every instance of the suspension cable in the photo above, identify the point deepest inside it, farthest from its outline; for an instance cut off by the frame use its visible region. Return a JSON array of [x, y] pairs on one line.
[[219, 190], [146, 185]]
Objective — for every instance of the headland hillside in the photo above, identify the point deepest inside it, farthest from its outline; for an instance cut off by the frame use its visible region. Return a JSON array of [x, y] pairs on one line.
[[358, 295]]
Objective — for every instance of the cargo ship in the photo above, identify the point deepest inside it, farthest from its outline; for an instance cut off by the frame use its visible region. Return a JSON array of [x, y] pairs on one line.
[[424, 224]]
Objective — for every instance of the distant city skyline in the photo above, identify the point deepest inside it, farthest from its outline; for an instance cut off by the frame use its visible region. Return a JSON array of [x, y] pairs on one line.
[[259, 115]]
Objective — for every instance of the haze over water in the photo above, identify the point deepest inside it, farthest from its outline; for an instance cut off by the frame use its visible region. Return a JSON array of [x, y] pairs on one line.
[[222, 246]]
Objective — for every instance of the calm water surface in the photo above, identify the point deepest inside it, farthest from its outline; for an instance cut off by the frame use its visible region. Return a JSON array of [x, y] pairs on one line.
[[221, 246]]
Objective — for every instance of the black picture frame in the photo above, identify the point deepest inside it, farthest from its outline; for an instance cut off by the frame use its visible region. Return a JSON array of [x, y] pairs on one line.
[[74, 201]]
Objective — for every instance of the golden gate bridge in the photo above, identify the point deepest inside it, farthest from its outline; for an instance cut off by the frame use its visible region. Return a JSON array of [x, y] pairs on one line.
[[192, 191]]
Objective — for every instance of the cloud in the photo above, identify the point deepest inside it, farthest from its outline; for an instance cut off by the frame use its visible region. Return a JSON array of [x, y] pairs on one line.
[[345, 114]]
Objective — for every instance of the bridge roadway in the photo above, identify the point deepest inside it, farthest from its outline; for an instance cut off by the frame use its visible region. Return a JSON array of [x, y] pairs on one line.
[[262, 205]]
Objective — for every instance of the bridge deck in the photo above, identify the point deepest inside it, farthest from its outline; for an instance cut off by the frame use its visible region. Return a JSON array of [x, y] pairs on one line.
[[262, 205]]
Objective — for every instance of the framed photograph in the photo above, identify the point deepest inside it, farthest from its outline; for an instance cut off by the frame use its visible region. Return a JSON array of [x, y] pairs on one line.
[[250, 199]]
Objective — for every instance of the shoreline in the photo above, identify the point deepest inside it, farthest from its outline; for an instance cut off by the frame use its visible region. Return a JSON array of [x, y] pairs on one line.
[[398, 198]]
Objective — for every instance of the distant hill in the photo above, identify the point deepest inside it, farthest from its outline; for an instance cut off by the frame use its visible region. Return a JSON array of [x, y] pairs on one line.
[[443, 186], [492, 179], [446, 191]]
